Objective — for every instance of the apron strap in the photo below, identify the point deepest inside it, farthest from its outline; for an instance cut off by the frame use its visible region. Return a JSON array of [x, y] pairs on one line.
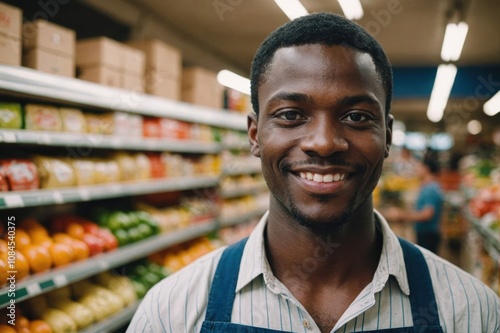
[[222, 292], [422, 299]]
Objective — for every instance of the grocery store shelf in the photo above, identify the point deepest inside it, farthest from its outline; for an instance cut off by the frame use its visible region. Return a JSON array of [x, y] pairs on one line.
[[491, 239], [97, 141], [62, 276], [33, 83], [242, 169], [229, 222], [114, 322], [236, 146], [242, 191], [104, 191]]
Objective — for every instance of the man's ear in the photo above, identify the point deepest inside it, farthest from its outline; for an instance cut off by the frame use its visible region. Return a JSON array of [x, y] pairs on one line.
[[252, 121], [388, 134]]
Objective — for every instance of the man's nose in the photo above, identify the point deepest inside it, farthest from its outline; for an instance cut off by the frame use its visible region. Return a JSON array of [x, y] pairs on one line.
[[324, 138]]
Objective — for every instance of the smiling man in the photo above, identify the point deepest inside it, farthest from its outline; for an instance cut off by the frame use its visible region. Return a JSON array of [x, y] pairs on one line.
[[321, 259]]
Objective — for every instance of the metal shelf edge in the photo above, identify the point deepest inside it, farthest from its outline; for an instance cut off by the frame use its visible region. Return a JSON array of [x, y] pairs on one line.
[[80, 270]]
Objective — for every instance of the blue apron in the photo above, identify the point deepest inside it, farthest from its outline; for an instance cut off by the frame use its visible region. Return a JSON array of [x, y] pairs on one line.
[[222, 294]]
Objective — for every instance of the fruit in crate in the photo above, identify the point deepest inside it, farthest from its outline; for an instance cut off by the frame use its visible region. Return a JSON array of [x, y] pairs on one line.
[[80, 313]]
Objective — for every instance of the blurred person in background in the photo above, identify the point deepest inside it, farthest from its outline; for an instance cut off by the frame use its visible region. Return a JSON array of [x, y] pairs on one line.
[[428, 208]]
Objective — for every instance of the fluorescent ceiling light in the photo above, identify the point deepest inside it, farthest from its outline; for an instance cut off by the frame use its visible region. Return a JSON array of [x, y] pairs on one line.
[[454, 39], [352, 9], [445, 77], [492, 107], [292, 8], [234, 81]]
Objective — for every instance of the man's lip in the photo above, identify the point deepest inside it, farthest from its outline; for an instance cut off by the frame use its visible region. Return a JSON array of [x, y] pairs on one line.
[[322, 170]]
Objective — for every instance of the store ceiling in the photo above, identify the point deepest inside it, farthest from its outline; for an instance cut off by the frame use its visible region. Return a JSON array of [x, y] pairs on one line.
[[412, 34], [230, 31]]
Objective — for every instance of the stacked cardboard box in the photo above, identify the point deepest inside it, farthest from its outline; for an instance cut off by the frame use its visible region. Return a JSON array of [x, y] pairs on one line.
[[106, 61], [49, 48], [200, 86], [163, 68], [10, 35]]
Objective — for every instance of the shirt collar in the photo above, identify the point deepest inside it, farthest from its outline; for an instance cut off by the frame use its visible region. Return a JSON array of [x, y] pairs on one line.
[[254, 261]]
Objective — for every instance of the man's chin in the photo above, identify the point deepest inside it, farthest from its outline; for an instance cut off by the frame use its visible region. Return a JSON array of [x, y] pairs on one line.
[[323, 225]]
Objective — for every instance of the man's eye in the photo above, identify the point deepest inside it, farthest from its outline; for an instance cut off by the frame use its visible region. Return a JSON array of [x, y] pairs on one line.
[[290, 115], [356, 117]]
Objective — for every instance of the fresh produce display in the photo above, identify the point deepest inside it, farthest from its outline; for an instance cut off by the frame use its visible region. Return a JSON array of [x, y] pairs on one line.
[[68, 239], [144, 275], [179, 256], [486, 205], [77, 306], [128, 227]]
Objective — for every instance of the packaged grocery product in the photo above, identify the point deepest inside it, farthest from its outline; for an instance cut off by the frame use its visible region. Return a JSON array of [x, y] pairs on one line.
[[156, 166], [85, 173], [54, 172], [135, 125], [73, 120], [20, 174], [42, 118], [151, 127], [127, 165], [174, 165], [11, 115], [4, 185], [106, 171], [143, 170], [100, 123], [175, 129]]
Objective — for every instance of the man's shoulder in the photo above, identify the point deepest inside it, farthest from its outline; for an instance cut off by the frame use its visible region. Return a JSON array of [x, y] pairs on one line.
[[457, 287]]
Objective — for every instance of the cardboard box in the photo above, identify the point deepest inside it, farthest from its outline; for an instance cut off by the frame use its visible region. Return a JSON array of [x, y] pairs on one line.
[[99, 52], [200, 86], [101, 74], [49, 62], [49, 37], [132, 82], [165, 87], [161, 86], [10, 50], [134, 61], [10, 20], [160, 57]]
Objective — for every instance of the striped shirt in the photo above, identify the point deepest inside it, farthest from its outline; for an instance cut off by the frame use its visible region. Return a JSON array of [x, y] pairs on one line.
[[178, 303]]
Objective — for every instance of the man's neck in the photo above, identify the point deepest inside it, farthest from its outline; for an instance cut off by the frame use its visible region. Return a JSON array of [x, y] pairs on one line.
[[349, 254]]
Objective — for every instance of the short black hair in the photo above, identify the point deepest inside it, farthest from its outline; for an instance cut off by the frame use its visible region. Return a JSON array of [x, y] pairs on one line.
[[431, 161], [325, 29]]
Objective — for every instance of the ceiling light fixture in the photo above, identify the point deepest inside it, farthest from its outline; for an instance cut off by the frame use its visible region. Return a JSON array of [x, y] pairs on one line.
[[292, 8], [492, 106], [352, 9], [454, 39], [234, 81], [445, 77]]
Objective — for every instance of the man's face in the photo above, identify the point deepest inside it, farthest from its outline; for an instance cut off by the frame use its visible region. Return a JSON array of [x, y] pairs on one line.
[[321, 132]]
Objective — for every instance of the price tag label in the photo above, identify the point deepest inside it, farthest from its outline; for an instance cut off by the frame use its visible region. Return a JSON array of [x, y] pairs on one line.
[[13, 200], [9, 137], [115, 188], [45, 138], [84, 194], [60, 280], [116, 142], [58, 197], [104, 265], [33, 289]]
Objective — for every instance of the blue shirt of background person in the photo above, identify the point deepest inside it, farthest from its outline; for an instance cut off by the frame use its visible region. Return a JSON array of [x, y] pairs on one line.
[[430, 195]]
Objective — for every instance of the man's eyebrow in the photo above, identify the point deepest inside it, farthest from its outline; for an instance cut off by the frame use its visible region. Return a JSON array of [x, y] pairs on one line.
[[357, 99], [288, 96]]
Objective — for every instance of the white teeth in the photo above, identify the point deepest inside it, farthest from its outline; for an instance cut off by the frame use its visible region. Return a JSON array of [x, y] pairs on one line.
[[328, 178], [319, 178]]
